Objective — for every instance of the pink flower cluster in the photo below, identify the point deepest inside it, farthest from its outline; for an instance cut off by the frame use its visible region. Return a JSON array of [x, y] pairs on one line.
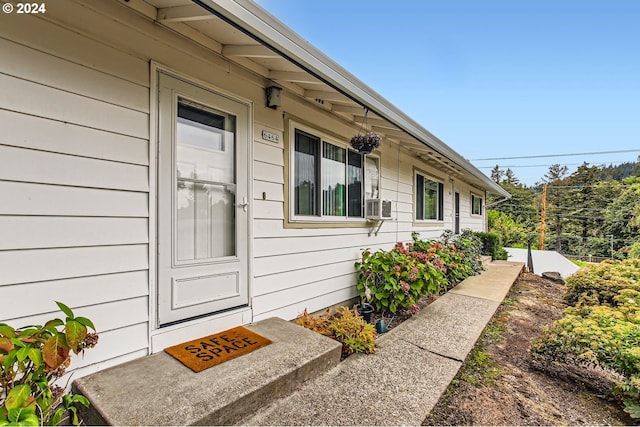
[[414, 309], [405, 286], [438, 264]]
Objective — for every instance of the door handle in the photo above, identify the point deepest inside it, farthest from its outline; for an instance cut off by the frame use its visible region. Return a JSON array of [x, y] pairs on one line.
[[243, 205]]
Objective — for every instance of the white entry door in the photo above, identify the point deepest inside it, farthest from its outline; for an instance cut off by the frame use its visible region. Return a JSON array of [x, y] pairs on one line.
[[203, 195]]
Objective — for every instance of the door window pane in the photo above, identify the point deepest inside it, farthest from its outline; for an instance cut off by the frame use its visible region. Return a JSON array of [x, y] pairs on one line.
[[206, 221], [206, 183]]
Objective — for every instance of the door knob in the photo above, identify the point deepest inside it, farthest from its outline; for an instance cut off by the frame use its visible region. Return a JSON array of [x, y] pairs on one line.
[[244, 204]]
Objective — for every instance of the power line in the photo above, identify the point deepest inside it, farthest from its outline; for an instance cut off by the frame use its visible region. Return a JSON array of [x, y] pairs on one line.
[[559, 155], [569, 216], [570, 208], [613, 162]]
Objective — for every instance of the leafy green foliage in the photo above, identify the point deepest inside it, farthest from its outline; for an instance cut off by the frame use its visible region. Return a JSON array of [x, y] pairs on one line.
[[32, 358], [356, 335], [492, 245], [395, 280], [345, 326], [602, 329], [602, 283], [582, 210], [512, 232]]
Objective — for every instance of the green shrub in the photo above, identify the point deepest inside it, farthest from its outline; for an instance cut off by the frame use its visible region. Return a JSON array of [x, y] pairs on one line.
[[608, 337], [345, 326], [395, 279], [602, 282], [470, 244], [603, 328], [452, 259], [356, 335], [32, 358], [492, 245], [634, 250]]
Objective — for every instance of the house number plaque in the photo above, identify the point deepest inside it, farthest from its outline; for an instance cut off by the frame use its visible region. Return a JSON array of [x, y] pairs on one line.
[[268, 136]]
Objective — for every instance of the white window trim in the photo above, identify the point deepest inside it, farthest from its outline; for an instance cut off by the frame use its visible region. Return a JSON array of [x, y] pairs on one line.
[[481, 204], [324, 137], [430, 177]]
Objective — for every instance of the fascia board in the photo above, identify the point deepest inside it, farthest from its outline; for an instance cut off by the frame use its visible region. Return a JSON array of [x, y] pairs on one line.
[[266, 29]]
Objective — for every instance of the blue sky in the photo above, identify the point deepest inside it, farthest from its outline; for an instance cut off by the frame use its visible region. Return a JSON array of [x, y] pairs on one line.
[[493, 78]]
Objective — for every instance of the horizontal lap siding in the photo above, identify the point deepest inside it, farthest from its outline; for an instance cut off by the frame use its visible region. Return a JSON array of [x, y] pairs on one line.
[[74, 175], [312, 268], [467, 220]]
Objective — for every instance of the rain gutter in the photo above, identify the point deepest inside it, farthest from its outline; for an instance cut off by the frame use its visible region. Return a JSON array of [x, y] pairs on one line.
[[257, 23]]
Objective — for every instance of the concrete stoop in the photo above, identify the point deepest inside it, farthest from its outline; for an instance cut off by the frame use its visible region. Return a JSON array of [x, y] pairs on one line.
[[159, 390], [486, 260]]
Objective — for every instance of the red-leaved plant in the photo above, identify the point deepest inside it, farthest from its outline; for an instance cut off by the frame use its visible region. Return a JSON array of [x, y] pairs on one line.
[[32, 358]]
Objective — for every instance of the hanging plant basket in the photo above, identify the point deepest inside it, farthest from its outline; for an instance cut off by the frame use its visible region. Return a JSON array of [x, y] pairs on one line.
[[366, 143]]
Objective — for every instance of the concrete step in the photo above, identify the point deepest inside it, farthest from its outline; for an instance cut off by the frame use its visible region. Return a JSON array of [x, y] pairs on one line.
[[486, 260], [159, 390], [415, 362]]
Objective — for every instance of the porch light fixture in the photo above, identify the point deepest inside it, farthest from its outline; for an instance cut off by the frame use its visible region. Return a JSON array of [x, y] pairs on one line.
[[274, 99]]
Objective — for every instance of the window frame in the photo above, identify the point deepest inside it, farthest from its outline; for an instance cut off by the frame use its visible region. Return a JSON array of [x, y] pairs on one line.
[[320, 218], [416, 200], [473, 197]]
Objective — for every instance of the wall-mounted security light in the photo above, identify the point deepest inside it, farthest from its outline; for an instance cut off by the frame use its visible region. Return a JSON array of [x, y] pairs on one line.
[[274, 96]]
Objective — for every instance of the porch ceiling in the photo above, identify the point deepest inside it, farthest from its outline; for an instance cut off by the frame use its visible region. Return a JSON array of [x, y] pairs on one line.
[[208, 29]]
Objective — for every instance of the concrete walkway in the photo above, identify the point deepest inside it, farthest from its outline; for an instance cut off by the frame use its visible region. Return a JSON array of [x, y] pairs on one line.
[[414, 364], [544, 261]]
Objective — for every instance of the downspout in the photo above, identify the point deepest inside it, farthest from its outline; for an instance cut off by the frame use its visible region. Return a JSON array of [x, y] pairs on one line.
[[488, 205]]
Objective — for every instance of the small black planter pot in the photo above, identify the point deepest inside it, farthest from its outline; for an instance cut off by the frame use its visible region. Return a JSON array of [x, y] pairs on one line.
[[381, 326], [366, 149], [365, 311]]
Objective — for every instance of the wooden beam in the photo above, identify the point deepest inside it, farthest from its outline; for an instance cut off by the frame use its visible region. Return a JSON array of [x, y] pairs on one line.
[[376, 122], [249, 51], [293, 76], [347, 109], [391, 132], [190, 12], [326, 95]]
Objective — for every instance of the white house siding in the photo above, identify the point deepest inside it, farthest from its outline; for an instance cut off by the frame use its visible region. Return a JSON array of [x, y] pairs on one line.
[[467, 220], [74, 167], [77, 179], [312, 268]]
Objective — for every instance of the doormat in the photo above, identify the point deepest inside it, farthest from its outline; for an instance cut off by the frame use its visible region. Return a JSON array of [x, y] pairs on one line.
[[206, 352]]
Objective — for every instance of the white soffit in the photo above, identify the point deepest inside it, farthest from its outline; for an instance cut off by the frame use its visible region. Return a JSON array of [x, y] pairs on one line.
[[265, 45]]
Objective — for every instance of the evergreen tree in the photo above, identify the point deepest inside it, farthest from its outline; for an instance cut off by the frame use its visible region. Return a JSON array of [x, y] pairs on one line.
[[580, 207], [496, 174], [514, 219], [555, 195], [622, 217]]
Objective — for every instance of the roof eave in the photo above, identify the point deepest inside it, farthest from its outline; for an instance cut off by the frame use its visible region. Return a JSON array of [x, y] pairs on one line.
[[256, 22]]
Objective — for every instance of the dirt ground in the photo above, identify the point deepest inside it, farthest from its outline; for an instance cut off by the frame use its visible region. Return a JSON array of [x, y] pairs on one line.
[[498, 384]]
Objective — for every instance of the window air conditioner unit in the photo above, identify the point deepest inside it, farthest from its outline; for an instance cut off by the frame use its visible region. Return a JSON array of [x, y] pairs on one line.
[[378, 209]]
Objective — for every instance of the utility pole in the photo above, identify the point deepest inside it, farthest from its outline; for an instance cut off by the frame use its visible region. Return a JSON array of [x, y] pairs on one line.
[[611, 236], [542, 220]]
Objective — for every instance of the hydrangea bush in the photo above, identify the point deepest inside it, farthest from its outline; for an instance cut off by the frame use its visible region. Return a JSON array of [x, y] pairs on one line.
[[396, 279]]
